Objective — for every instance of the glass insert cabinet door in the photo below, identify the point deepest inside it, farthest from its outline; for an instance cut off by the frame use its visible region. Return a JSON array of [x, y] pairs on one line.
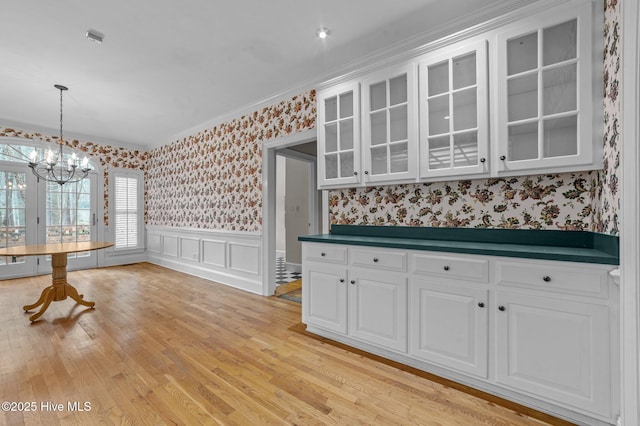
[[339, 136], [389, 134], [454, 105], [544, 73]]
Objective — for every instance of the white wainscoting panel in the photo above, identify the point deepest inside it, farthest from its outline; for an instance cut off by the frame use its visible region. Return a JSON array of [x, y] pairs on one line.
[[214, 253], [242, 258], [190, 249], [170, 245], [154, 243], [230, 258]]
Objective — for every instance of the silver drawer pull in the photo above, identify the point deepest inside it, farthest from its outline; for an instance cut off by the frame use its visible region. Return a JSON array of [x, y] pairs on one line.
[[546, 278]]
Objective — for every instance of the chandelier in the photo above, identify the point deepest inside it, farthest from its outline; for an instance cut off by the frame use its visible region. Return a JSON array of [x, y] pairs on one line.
[[52, 166]]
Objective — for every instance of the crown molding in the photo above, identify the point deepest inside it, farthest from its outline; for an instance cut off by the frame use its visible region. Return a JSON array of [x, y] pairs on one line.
[[466, 26], [49, 131]]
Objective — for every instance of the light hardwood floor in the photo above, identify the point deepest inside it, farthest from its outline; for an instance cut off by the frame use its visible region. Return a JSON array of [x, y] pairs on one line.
[[162, 347]]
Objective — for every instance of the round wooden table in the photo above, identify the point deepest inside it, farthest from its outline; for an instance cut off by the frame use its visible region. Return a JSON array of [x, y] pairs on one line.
[[60, 289]]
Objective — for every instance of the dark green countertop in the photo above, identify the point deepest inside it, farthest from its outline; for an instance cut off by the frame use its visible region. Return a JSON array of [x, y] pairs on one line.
[[570, 246]]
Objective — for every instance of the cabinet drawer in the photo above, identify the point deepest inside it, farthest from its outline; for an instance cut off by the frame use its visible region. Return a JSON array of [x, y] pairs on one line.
[[453, 267], [389, 260], [327, 253], [582, 280]]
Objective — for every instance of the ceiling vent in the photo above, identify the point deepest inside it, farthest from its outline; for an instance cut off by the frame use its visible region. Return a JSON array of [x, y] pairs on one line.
[[95, 36]]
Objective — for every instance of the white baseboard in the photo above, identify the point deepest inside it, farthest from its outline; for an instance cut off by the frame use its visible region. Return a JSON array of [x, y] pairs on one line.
[[295, 267]]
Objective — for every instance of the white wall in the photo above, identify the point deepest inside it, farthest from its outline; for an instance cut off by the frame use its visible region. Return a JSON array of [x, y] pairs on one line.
[[296, 207], [281, 189]]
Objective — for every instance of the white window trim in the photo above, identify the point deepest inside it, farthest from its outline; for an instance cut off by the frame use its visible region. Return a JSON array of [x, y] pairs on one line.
[[129, 173]]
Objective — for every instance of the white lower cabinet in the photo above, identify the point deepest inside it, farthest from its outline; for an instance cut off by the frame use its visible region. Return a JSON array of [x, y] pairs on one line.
[[378, 308], [325, 296], [449, 324], [556, 349], [541, 333]]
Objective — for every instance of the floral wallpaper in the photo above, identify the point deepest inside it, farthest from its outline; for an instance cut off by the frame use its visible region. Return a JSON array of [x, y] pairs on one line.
[[607, 220], [573, 201], [213, 179], [562, 201], [108, 156]]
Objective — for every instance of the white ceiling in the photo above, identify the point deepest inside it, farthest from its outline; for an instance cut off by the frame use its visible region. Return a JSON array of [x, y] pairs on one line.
[[167, 66]]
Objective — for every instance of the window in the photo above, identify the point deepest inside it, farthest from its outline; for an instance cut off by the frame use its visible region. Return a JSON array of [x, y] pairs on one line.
[[128, 209]]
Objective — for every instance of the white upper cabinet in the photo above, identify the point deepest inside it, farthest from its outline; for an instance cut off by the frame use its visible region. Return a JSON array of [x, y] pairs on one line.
[[545, 91], [517, 95], [339, 136], [389, 130], [454, 111]]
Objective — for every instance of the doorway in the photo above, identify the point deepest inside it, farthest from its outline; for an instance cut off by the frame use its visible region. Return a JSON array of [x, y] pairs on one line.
[[297, 207], [300, 147]]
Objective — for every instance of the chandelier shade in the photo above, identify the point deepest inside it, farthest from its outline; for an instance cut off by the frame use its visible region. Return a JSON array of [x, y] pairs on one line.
[[52, 166]]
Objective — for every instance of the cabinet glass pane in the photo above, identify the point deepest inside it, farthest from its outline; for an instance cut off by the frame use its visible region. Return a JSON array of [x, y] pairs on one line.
[[438, 76], [464, 71], [560, 85], [379, 160], [398, 90], [523, 97], [378, 95], [439, 155], [346, 134], [465, 149], [331, 166], [346, 164], [399, 157], [398, 118], [438, 115], [523, 142], [331, 137], [560, 137], [379, 127], [465, 114], [559, 42], [331, 109], [522, 54], [346, 105]]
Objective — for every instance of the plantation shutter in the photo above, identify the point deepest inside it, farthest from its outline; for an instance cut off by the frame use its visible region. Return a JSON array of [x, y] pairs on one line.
[[126, 210]]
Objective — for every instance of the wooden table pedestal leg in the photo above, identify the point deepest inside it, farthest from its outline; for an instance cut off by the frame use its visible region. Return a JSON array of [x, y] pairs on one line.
[[59, 290]]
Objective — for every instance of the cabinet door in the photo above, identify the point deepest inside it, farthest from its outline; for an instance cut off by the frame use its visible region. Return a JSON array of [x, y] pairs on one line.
[[449, 324], [378, 308], [324, 296], [554, 349], [454, 111], [389, 125], [339, 136], [545, 92]]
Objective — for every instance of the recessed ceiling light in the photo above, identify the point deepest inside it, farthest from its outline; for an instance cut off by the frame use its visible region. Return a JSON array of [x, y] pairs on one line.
[[323, 32], [95, 36]]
